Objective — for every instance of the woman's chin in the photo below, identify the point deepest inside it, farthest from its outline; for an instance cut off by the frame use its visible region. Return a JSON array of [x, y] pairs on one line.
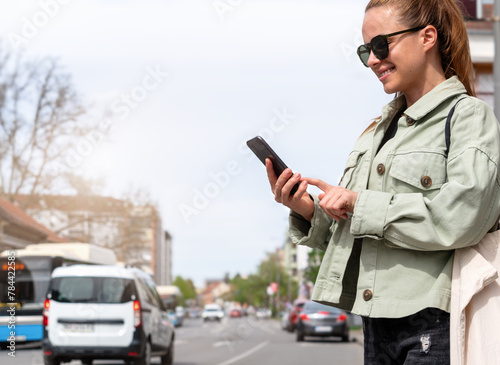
[[389, 90]]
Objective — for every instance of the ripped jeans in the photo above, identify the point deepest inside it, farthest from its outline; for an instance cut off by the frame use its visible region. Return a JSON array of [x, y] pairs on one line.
[[422, 338]]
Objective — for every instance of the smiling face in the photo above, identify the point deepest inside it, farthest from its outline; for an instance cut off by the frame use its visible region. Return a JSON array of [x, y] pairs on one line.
[[408, 67]]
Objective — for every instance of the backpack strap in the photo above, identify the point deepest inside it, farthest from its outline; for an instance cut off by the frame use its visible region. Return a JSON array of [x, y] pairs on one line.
[[447, 128]]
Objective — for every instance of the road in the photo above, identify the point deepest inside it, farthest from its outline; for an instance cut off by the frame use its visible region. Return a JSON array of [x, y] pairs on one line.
[[239, 341]]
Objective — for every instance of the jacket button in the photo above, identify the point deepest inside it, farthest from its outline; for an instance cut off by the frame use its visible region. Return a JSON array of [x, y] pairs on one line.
[[380, 168], [426, 181], [409, 121], [367, 295]]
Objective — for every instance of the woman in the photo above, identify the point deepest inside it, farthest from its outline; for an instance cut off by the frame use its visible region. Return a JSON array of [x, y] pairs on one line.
[[406, 200]]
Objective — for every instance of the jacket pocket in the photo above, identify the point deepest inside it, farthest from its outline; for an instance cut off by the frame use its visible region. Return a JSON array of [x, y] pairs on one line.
[[423, 172], [353, 161]]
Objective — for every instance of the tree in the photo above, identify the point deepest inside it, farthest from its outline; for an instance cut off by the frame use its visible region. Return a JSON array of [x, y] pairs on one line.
[[40, 119], [314, 259], [187, 289], [253, 290]]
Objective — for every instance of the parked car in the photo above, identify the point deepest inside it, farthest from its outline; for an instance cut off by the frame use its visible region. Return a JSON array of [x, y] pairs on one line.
[[212, 312], [322, 320], [194, 312], [180, 313], [285, 317], [294, 314], [235, 313], [173, 318], [105, 312], [263, 313]]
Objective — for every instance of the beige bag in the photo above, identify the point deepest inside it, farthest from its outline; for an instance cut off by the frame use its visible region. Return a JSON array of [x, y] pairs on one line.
[[475, 296], [475, 303]]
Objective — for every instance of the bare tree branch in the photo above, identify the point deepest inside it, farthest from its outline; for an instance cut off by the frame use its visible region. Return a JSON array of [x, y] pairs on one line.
[[41, 117]]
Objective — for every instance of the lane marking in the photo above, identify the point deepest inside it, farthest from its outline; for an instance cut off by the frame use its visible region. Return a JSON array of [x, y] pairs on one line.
[[245, 354]]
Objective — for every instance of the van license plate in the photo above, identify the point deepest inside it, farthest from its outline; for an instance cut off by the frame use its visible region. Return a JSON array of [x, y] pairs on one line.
[[78, 327]]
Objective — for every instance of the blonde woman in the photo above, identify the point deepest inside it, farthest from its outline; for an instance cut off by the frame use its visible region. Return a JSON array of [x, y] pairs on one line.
[[411, 193]]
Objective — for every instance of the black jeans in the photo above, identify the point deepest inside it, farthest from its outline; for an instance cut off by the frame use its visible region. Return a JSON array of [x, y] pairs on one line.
[[422, 338]]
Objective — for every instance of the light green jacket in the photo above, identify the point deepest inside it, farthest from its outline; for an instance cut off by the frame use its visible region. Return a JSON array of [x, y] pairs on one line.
[[415, 206]]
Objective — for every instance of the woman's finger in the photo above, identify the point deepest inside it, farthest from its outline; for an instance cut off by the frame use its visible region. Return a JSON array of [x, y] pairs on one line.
[[271, 175], [319, 184]]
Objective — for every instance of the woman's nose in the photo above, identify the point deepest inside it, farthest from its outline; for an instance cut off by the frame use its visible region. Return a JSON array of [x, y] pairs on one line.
[[372, 60]]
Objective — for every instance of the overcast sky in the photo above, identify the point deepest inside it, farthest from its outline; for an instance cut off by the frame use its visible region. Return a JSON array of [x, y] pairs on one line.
[[188, 82]]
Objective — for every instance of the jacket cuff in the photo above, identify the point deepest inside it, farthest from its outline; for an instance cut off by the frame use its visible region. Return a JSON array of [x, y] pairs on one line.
[[370, 211], [312, 234]]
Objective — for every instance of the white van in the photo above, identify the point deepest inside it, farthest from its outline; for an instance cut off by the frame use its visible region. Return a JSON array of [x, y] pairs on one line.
[[105, 312]]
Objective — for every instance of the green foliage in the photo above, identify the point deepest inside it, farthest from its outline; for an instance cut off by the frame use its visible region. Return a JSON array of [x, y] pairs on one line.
[[253, 289], [187, 289], [314, 258]]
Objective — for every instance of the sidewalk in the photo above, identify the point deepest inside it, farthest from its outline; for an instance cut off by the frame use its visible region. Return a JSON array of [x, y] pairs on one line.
[[357, 336]]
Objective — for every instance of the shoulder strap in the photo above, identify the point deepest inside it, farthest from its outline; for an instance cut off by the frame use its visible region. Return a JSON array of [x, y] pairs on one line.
[[447, 128]]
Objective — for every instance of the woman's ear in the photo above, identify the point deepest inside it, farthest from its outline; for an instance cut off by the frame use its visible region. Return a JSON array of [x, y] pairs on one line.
[[430, 37]]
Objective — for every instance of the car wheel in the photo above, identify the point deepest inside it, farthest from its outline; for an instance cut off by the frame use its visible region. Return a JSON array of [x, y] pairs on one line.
[[300, 336], [146, 355], [87, 362], [345, 338], [168, 359], [51, 360]]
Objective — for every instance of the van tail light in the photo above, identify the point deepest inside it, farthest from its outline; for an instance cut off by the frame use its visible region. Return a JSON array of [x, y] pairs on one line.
[[304, 317], [46, 306], [341, 318], [137, 313]]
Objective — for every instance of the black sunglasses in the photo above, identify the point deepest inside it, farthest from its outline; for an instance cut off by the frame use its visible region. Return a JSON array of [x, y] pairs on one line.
[[379, 45]]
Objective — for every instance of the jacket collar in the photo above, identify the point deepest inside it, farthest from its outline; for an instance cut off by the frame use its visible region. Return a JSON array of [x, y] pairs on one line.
[[427, 103]]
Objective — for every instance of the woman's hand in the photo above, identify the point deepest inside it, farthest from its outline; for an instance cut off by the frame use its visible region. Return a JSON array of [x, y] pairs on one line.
[[335, 200], [299, 202]]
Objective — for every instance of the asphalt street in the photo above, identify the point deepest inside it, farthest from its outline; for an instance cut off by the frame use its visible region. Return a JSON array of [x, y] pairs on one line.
[[239, 341]]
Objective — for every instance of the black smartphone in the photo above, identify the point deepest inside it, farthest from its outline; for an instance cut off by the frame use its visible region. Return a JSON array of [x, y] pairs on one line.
[[262, 150]]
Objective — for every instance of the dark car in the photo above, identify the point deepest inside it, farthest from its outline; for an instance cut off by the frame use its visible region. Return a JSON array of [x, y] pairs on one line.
[[294, 314], [322, 320]]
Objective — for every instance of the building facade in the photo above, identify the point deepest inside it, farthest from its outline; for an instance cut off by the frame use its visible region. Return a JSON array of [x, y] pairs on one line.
[[482, 47], [18, 229], [133, 232]]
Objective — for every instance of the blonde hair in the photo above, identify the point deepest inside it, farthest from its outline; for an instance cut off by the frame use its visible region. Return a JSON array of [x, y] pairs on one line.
[[447, 17]]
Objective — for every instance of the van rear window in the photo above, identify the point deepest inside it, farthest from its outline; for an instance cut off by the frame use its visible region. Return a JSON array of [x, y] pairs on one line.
[[86, 289]]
